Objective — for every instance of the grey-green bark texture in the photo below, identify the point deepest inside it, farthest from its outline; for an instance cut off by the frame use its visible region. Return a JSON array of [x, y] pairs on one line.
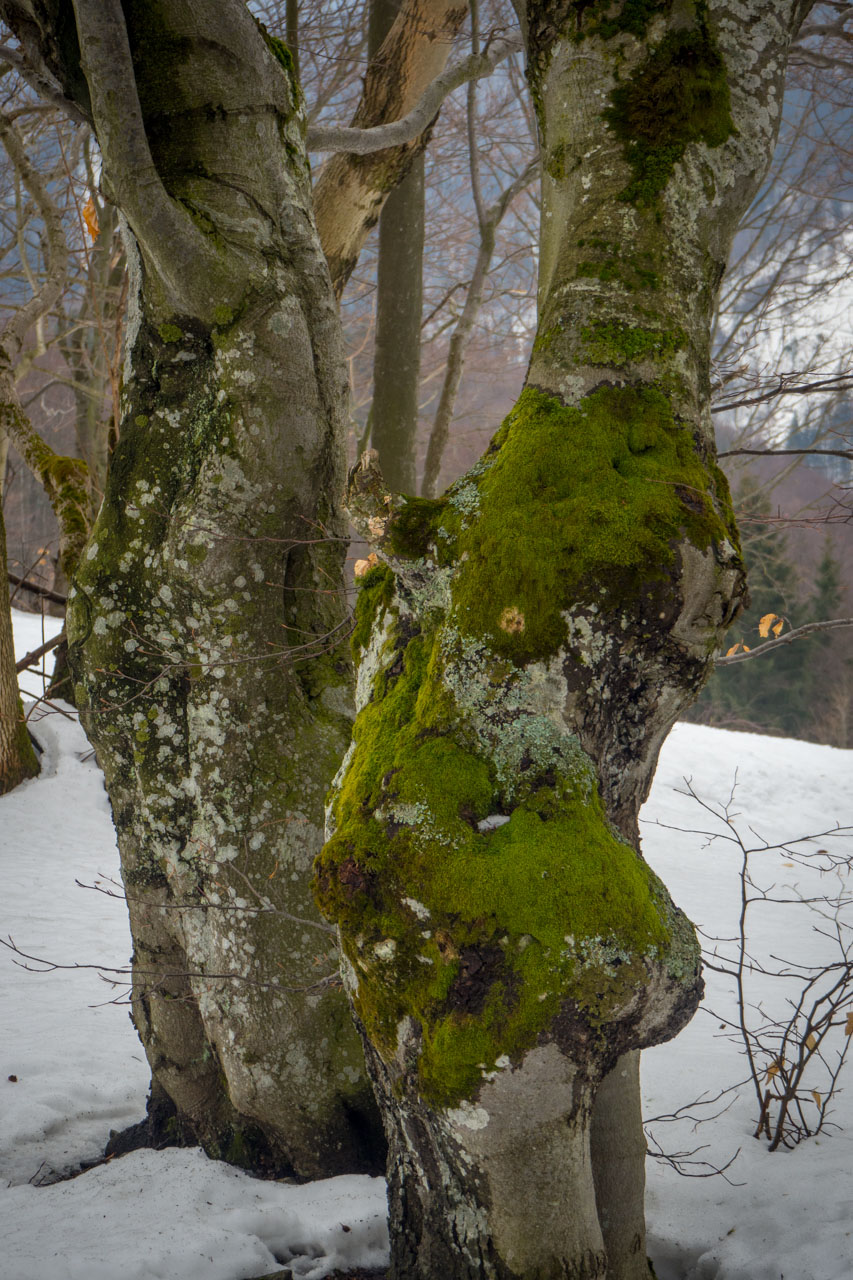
[[18, 760], [523, 651], [91, 345], [204, 621], [64, 479], [397, 349], [399, 298], [350, 190]]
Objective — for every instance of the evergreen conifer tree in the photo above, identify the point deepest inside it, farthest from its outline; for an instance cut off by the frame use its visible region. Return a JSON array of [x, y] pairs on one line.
[[769, 695]]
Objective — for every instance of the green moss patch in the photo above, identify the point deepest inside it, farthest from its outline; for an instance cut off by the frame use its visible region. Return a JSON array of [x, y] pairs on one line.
[[679, 95], [279, 51], [611, 18], [480, 935], [376, 591], [578, 504], [416, 525], [284, 57], [608, 269], [615, 344]]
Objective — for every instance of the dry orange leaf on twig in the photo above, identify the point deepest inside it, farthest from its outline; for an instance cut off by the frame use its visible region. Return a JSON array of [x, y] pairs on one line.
[[770, 622], [90, 217]]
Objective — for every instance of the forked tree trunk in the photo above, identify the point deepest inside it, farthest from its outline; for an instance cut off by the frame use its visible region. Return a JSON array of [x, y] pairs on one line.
[[524, 650], [351, 190], [206, 617]]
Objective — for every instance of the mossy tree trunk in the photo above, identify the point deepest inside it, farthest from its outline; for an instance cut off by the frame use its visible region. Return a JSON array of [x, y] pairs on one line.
[[523, 651], [205, 619]]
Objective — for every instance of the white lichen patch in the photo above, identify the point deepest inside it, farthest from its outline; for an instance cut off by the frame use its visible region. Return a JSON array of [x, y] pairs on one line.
[[492, 822], [422, 912], [429, 584], [464, 497], [373, 659], [516, 714], [467, 1116]]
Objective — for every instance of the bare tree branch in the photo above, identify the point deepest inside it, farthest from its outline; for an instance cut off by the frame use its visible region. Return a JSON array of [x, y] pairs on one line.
[[784, 387], [64, 479], [488, 221], [162, 975], [774, 453], [38, 590], [38, 78], [349, 192], [363, 142], [33, 656], [828, 624], [15, 329]]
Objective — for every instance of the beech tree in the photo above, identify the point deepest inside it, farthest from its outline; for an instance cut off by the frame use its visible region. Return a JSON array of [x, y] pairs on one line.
[[215, 562], [64, 479], [524, 646], [399, 302], [207, 615], [17, 757]]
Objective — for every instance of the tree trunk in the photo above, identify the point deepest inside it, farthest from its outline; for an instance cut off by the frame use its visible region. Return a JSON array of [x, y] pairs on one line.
[[351, 190], [92, 350], [204, 622], [394, 410], [399, 298], [524, 650], [618, 1152], [18, 759]]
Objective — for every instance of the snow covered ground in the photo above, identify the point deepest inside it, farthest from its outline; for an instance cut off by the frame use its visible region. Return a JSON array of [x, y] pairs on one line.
[[71, 1067]]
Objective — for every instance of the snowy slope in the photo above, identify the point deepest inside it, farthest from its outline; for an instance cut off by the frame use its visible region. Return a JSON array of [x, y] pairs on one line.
[[174, 1215], [31, 631], [785, 1215]]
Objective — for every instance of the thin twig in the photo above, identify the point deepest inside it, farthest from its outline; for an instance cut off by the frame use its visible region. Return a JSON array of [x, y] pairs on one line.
[[33, 656]]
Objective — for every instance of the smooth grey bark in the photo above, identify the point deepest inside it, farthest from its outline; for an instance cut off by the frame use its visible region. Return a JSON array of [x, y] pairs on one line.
[[399, 299], [205, 620], [91, 347], [351, 190], [17, 758], [618, 1155], [394, 409], [525, 648], [64, 479]]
